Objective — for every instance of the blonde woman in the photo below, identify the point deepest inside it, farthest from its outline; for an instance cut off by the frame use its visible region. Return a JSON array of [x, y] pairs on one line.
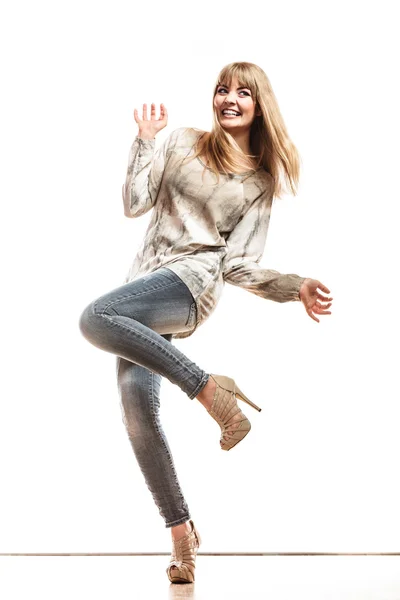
[[212, 194]]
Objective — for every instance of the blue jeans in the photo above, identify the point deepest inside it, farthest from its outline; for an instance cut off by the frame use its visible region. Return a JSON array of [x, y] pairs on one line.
[[135, 322]]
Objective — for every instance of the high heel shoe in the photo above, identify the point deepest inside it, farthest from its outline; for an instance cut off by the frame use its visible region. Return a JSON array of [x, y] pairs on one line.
[[225, 407], [183, 558]]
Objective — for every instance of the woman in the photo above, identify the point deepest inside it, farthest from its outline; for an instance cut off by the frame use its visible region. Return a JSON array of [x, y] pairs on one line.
[[212, 194]]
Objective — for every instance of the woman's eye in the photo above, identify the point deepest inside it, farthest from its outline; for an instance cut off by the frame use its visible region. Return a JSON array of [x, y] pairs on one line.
[[241, 92]]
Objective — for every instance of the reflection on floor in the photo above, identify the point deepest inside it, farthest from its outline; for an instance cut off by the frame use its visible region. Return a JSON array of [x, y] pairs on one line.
[[217, 578]]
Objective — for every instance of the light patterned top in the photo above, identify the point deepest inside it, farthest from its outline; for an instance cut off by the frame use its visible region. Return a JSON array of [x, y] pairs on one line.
[[207, 233]]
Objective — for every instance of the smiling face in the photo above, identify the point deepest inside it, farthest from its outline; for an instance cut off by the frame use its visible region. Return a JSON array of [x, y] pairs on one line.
[[240, 100]]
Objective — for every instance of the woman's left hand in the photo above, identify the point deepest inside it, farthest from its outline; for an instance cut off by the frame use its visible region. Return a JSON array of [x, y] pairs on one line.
[[310, 296]]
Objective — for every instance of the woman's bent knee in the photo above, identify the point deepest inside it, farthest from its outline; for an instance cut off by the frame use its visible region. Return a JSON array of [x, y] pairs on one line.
[[88, 321]]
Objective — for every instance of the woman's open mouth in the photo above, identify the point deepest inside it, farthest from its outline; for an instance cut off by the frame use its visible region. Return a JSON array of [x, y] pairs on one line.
[[230, 114]]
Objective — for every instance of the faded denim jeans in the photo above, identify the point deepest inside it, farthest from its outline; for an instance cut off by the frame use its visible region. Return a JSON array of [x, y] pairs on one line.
[[135, 322]]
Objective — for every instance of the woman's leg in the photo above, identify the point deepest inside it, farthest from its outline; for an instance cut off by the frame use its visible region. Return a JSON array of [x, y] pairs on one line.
[[130, 322], [139, 391], [122, 322]]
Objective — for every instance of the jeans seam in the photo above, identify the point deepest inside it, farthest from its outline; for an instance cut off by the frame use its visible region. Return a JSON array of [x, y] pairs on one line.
[[169, 354], [151, 394], [192, 317], [179, 521], [200, 386], [134, 295], [153, 416]]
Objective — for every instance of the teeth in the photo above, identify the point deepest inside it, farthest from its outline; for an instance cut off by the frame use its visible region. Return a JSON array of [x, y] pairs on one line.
[[230, 112]]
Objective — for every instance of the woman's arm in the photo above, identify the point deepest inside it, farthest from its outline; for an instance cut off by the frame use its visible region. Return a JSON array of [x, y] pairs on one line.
[[144, 174], [245, 247]]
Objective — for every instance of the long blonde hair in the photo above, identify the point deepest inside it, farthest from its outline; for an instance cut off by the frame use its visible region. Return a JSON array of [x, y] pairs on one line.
[[270, 143]]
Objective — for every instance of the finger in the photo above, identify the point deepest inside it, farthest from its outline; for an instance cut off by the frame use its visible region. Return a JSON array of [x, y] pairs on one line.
[[323, 287], [153, 111], [323, 307], [321, 310], [145, 112], [163, 112], [321, 297], [312, 316], [135, 115]]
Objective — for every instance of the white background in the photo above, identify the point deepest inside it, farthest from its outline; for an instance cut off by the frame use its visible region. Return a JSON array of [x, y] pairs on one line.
[[319, 470]]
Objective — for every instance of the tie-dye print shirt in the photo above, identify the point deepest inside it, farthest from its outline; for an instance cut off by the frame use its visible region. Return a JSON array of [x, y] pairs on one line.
[[207, 233]]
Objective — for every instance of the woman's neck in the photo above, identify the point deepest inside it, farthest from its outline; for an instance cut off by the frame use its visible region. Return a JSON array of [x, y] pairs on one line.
[[242, 138]]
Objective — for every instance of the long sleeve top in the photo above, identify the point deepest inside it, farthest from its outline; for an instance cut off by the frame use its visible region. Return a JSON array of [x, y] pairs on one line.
[[207, 233]]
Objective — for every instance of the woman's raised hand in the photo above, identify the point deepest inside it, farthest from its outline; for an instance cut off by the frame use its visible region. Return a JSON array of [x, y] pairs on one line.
[[313, 300], [149, 127]]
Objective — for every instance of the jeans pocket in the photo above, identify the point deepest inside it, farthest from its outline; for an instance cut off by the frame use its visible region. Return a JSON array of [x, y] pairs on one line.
[[192, 315]]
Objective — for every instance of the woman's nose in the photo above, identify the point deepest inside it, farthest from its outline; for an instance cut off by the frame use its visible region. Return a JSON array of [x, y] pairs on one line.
[[231, 98]]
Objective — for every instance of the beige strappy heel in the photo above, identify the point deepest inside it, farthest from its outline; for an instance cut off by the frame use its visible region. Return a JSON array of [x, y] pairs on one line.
[[225, 407], [181, 568]]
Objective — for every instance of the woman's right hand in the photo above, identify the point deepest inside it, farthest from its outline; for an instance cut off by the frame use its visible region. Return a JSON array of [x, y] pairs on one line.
[[149, 128]]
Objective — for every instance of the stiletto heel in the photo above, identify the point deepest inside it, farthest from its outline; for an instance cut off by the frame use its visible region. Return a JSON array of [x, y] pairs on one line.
[[241, 395], [225, 407]]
